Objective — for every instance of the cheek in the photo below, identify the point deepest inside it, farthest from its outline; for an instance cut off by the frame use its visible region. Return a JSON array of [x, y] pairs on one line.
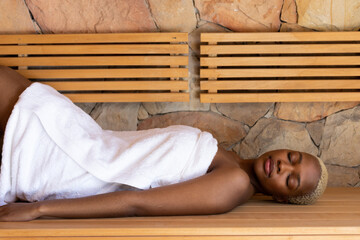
[[276, 186]]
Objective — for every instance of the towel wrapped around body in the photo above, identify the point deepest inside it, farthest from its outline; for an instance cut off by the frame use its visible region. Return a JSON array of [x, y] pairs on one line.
[[52, 149]]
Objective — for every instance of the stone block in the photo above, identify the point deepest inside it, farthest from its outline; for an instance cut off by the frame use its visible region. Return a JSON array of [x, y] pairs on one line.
[[86, 107], [271, 134], [98, 16], [341, 139], [343, 176], [315, 130], [226, 131], [329, 15], [116, 116], [310, 111], [242, 16], [142, 114], [173, 15], [15, 18], [288, 12], [247, 113]]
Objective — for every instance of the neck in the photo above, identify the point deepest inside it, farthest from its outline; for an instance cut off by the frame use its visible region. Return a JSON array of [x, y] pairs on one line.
[[248, 166]]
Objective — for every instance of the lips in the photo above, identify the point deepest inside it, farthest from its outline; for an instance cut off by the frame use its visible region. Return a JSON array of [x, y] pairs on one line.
[[269, 166]]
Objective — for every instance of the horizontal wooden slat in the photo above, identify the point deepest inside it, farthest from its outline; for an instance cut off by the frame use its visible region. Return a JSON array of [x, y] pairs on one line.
[[118, 85], [93, 38], [298, 237], [279, 97], [96, 49], [279, 61], [280, 49], [280, 84], [107, 73], [281, 72], [95, 61], [129, 97], [130, 227], [282, 36]]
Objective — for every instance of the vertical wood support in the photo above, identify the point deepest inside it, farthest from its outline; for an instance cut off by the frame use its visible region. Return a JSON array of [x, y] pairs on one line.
[[212, 67], [21, 56], [174, 66]]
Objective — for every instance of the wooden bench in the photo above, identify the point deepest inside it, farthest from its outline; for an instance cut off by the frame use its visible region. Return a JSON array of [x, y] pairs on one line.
[[335, 216], [124, 67], [280, 67]]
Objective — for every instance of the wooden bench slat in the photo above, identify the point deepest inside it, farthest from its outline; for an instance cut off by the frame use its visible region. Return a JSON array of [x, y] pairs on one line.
[[281, 84], [118, 85], [280, 97], [280, 49], [281, 37], [128, 97], [96, 49], [279, 72], [96, 61], [93, 38], [279, 61], [320, 204], [109, 73], [167, 227], [269, 237]]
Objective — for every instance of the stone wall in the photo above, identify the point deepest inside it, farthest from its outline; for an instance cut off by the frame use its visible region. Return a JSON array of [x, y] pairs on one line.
[[328, 130]]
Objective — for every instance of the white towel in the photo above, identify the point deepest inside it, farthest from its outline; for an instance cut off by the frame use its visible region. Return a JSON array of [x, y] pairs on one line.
[[52, 149]]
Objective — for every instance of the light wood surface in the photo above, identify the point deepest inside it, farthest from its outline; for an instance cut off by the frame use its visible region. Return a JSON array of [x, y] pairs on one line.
[[97, 61], [125, 67], [282, 37], [280, 67], [93, 38], [335, 216]]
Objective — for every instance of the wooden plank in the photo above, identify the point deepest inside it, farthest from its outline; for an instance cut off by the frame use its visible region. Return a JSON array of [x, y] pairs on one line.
[[279, 49], [96, 61], [260, 237], [129, 97], [96, 49], [279, 72], [94, 38], [290, 209], [106, 73], [118, 85], [279, 97], [279, 61], [280, 84], [101, 227], [319, 204], [281, 36]]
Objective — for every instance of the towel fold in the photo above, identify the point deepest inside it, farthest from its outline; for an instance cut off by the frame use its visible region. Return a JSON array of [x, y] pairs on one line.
[[52, 149]]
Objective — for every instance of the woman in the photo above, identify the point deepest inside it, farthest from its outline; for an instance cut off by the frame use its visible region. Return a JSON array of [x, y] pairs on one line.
[[212, 181]]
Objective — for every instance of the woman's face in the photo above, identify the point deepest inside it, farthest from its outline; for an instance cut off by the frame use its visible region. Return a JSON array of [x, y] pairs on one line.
[[284, 173]]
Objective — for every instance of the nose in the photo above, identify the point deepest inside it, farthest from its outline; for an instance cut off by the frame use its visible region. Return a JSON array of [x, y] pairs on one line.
[[284, 167]]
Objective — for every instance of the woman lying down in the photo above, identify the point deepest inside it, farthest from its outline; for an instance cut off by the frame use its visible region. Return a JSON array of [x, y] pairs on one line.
[[58, 162]]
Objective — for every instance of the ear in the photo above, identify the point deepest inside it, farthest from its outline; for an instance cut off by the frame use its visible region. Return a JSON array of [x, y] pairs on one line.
[[280, 199]]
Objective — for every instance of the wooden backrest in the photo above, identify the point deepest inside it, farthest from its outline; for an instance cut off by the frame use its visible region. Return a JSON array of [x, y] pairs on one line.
[[124, 67], [280, 67]]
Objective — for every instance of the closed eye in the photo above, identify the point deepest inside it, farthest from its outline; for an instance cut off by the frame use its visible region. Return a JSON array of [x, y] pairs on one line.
[[287, 181], [289, 157]]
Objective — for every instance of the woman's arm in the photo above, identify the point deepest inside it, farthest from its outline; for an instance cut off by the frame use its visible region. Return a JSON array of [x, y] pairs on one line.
[[216, 192]]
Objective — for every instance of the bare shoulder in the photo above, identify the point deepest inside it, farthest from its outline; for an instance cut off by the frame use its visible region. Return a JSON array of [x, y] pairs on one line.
[[235, 187]]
